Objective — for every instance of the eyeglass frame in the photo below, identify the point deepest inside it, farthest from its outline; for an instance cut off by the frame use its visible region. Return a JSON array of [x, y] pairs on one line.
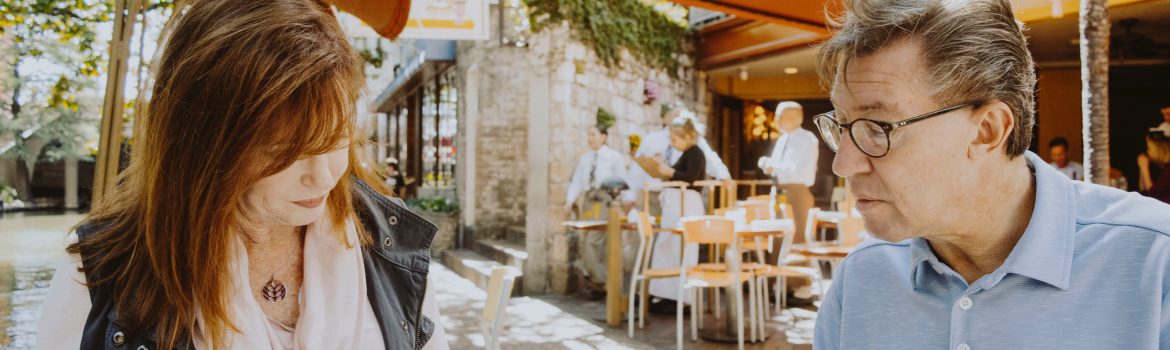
[[887, 127]]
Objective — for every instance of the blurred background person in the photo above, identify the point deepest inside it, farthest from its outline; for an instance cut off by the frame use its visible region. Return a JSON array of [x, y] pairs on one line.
[[690, 166], [1156, 159], [394, 179], [793, 164], [657, 143], [585, 198], [1165, 126], [1058, 152]]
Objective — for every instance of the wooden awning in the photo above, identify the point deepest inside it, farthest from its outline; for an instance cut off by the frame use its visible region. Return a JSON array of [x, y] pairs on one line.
[[387, 17], [759, 29]]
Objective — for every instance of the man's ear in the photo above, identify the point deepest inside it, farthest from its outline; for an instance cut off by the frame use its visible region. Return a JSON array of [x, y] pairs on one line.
[[995, 123]]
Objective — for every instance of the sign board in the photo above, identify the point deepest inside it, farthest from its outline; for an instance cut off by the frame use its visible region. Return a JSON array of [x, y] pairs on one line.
[[448, 20]]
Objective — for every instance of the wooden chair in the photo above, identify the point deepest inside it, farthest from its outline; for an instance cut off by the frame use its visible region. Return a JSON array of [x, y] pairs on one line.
[[715, 230], [642, 274], [753, 185], [782, 270], [499, 293]]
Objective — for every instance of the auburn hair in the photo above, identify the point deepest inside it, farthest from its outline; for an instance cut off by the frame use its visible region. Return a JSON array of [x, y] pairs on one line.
[[242, 90]]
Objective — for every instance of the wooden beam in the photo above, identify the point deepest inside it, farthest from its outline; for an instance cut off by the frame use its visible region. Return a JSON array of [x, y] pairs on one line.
[[745, 40], [109, 145], [740, 11]]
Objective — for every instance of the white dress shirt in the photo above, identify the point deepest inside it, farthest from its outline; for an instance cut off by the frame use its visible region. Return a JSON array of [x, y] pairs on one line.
[[1073, 170], [794, 158], [594, 168]]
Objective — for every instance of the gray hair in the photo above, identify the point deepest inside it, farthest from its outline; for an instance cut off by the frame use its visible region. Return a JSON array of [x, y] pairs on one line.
[[780, 107], [975, 51]]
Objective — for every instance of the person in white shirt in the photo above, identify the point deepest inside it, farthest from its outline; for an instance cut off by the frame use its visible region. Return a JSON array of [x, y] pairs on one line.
[[598, 165], [657, 143], [1165, 126], [1058, 151], [793, 163]]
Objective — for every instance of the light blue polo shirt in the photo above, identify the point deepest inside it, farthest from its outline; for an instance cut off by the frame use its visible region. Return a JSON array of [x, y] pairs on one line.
[[1092, 271]]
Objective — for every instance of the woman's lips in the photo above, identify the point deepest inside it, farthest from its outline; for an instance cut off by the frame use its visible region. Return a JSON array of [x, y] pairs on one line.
[[311, 203]]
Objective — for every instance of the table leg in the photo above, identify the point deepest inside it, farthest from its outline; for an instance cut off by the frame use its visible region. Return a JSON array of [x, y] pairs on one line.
[[613, 268]]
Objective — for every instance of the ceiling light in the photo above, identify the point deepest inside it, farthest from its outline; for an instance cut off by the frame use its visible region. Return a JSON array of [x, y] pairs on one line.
[[1057, 8], [791, 70], [743, 73]]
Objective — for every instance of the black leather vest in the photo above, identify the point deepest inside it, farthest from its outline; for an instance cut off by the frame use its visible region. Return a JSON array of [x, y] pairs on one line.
[[396, 279]]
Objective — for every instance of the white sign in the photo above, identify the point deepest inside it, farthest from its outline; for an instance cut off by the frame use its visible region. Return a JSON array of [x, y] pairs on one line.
[[448, 20]]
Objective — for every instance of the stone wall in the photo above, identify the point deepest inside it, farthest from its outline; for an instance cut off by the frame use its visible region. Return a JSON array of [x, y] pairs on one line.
[[501, 134], [576, 94], [503, 76]]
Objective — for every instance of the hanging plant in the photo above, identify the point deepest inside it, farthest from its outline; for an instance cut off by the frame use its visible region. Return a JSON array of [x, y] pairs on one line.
[[649, 91], [607, 26], [605, 118]]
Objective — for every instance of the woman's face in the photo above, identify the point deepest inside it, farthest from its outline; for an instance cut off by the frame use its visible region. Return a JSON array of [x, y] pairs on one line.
[[680, 140], [296, 196]]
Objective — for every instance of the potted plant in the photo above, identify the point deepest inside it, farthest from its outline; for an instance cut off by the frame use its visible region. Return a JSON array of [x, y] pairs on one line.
[[443, 213]]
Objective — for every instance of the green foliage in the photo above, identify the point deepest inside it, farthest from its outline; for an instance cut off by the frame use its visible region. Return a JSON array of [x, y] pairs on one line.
[[7, 194], [605, 118], [607, 26], [437, 204]]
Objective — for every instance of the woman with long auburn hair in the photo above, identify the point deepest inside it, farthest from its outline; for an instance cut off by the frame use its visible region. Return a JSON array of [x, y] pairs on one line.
[[241, 221]]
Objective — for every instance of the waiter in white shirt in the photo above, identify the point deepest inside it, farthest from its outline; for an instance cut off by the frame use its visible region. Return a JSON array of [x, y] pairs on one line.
[[601, 163], [793, 164]]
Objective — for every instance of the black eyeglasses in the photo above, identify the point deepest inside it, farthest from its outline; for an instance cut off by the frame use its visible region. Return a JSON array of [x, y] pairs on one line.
[[872, 137]]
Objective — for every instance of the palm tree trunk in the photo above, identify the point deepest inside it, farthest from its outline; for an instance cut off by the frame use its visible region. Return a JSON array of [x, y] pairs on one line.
[[1094, 28]]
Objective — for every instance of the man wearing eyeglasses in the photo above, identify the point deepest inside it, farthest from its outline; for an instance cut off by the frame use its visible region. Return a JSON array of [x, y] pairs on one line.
[[981, 245]]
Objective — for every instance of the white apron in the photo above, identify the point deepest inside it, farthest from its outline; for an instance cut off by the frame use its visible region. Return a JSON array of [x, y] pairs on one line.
[[666, 246]]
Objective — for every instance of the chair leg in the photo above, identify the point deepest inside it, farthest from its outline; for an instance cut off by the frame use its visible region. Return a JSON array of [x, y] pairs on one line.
[[645, 299], [739, 320], [762, 283], [678, 323], [752, 309], [783, 293], [630, 307], [718, 305], [697, 309], [694, 316]]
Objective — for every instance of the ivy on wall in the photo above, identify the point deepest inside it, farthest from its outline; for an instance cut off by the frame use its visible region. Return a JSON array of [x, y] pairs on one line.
[[607, 26]]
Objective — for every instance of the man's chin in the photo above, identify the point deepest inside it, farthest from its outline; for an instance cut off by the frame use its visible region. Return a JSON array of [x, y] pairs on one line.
[[882, 229]]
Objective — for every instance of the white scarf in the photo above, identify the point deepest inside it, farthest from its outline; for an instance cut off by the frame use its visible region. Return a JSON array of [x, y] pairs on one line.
[[334, 310]]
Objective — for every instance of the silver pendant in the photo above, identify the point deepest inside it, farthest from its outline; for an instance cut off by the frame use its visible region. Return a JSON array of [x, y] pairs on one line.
[[273, 291]]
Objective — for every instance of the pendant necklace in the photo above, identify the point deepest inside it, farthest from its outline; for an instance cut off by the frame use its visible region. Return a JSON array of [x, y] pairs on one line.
[[275, 290]]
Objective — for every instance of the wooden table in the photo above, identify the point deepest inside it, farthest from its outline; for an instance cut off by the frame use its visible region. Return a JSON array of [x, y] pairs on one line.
[[823, 252], [613, 258]]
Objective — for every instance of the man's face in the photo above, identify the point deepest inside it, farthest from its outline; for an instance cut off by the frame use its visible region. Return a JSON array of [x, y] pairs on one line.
[[1166, 114], [790, 119], [1059, 155], [916, 188], [596, 139]]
